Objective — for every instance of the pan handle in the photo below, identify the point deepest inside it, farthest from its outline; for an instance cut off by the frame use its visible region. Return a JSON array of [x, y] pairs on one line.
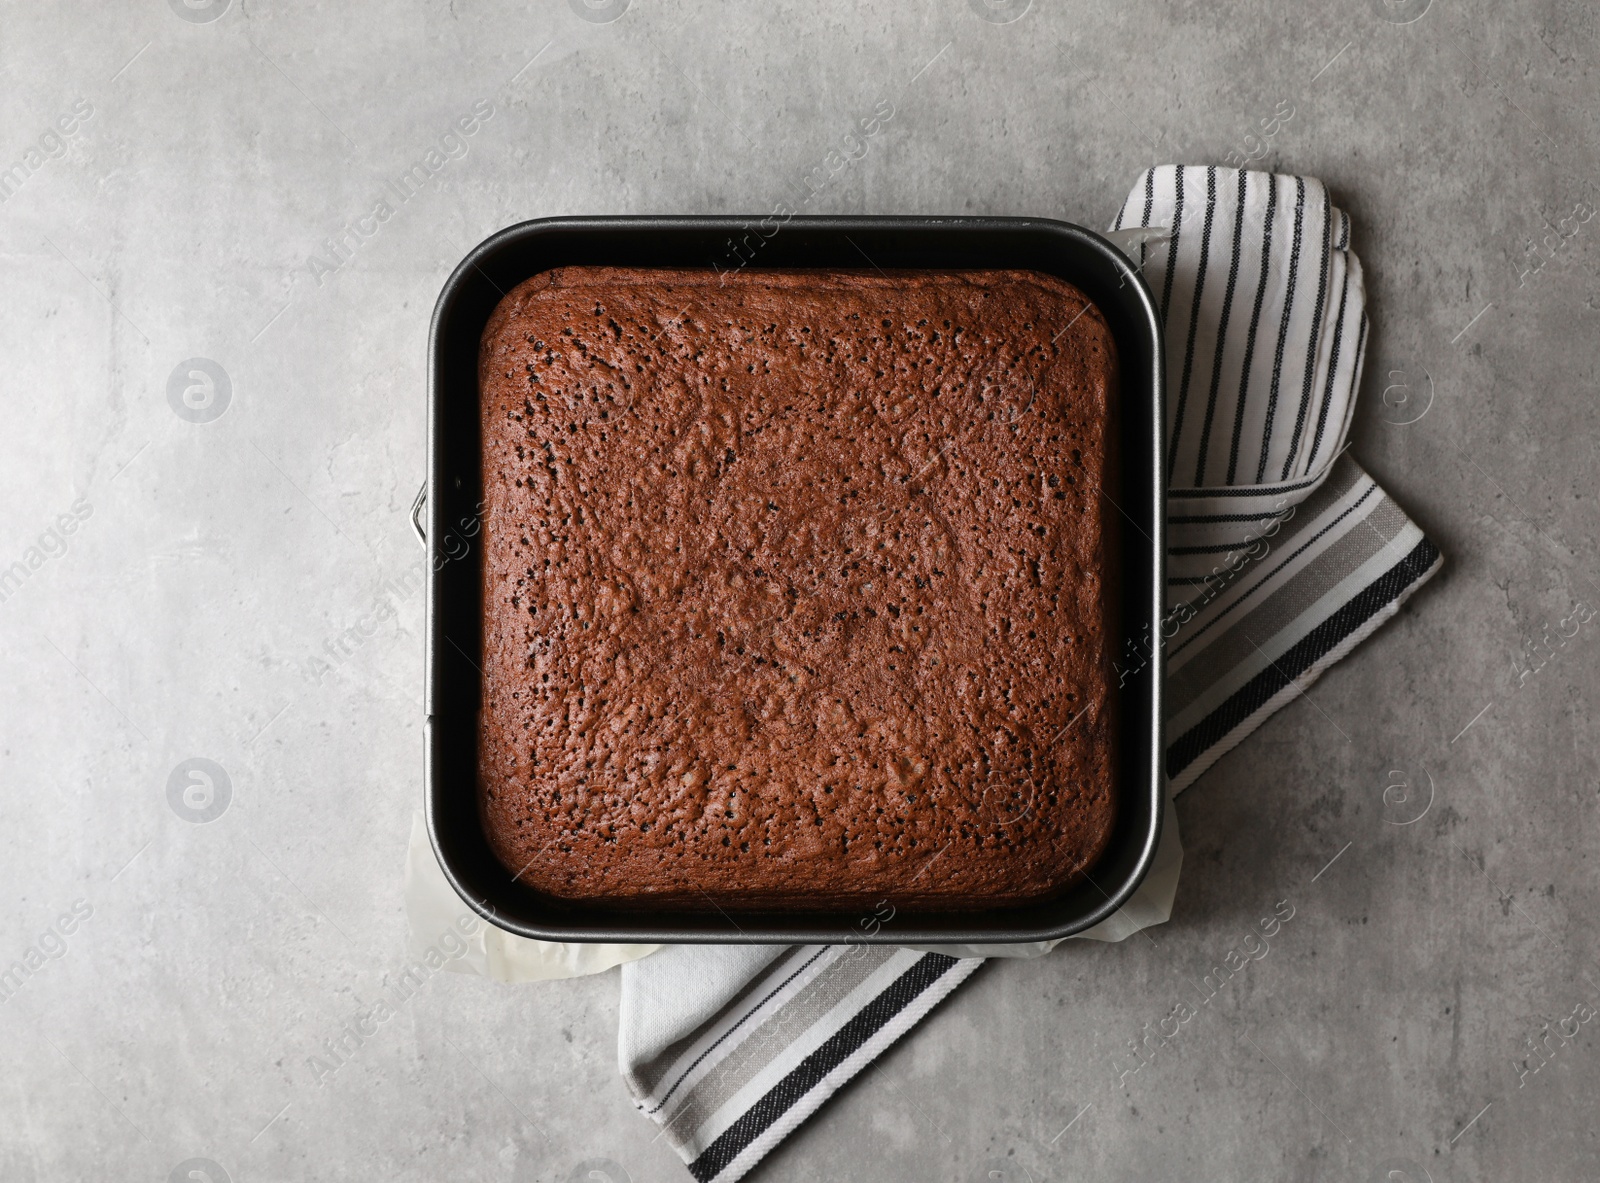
[[417, 508]]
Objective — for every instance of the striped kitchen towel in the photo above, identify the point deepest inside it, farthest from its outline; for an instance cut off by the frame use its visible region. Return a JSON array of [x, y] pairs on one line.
[[729, 1048], [1282, 555]]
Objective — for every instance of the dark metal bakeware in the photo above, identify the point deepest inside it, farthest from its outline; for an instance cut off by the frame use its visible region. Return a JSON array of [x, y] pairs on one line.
[[453, 501]]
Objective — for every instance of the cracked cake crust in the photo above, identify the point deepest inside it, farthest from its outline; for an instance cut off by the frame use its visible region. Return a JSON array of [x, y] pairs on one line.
[[794, 587]]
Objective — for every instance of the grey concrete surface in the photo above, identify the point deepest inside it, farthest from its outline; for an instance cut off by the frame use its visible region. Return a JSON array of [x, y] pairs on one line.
[[207, 164]]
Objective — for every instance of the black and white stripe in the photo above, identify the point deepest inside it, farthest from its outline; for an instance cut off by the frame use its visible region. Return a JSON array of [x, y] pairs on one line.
[[756, 1063], [1223, 312], [1313, 340], [1283, 610], [784, 1105], [1255, 323], [1280, 329], [1175, 431]]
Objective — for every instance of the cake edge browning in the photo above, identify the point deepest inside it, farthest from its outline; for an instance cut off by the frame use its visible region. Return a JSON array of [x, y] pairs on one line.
[[1102, 727]]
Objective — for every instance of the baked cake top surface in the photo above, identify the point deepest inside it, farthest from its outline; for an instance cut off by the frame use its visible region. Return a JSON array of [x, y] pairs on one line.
[[793, 585]]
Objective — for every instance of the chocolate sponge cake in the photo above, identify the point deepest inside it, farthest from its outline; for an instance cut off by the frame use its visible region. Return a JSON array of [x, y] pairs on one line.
[[793, 586]]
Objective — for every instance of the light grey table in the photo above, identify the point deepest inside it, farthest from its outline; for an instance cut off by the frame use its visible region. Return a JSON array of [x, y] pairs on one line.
[[192, 553]]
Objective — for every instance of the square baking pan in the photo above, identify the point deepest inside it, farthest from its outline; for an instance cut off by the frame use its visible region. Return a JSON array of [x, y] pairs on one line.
[[453, 536]]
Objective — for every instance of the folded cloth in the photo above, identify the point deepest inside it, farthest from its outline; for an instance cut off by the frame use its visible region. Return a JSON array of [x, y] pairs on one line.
[[1283, 554]]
